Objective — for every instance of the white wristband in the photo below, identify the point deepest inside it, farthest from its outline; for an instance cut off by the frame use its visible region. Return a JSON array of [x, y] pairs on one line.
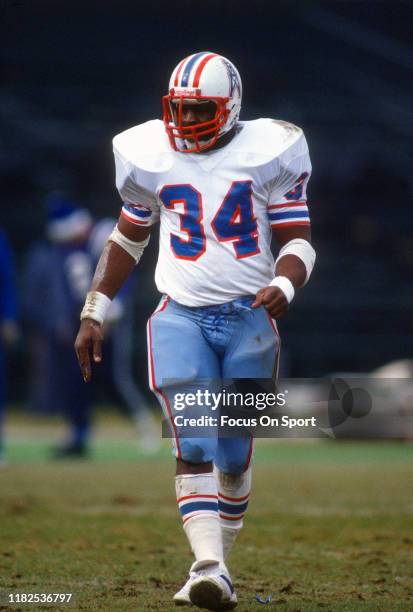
[[285, 285], [96, 306]]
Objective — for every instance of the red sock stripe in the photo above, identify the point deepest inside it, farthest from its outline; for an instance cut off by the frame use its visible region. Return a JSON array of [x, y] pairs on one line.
[[187, 518], [234, 499], [231, 518], [197, 495]]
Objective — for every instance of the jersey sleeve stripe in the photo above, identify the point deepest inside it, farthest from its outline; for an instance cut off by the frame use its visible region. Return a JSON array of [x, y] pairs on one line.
[[126, 215], [289, 204], [287, 223], [136, 209], [289, 215], [286, 210]]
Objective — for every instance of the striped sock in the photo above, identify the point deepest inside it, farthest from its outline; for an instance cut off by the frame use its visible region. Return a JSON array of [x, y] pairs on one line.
[[233, 496], [197, 498]]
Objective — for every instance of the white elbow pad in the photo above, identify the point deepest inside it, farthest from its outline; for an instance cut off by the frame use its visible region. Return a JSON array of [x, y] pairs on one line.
[[303, 250], [135, 249]]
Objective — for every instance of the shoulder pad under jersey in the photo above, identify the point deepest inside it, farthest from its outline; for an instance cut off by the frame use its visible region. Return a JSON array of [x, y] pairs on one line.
[[145, 146], [266, 140]]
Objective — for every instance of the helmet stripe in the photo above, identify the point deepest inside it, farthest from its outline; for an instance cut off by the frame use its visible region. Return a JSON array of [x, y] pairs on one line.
[[200, 68], [188, 68], [178, 72]]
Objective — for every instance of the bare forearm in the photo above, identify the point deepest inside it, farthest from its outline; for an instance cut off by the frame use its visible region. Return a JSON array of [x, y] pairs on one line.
[[292, 265], [293, 268], [113, 268]]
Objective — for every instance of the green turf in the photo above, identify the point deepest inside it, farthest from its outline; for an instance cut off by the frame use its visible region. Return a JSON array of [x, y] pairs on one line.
[[281, 452], [329, 527]]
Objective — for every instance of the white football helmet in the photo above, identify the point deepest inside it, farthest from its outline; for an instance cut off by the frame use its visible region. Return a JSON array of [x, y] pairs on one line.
[[199, 78]]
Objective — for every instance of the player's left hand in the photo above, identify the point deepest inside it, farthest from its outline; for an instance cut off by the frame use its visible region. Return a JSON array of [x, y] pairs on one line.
[[273, 300]]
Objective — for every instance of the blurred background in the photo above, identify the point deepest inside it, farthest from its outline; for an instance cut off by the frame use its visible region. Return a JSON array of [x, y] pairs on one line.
[[329, 523], [75, 74]]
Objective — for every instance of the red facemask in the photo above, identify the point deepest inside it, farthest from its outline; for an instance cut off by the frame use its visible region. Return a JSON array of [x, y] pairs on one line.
[[196, 133]]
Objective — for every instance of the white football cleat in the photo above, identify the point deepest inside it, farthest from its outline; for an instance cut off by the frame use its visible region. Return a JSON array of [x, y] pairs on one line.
[[212, 589], [181, 598]]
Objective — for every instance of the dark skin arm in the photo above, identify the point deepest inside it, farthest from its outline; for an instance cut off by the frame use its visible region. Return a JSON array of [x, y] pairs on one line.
[[113, 268], [272, 298]]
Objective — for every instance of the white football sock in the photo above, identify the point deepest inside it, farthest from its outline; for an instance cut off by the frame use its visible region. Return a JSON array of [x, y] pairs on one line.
[[197, 498], [233, 496]]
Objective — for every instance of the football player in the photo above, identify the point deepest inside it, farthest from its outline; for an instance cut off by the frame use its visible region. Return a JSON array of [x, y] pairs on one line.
[[219, 187]]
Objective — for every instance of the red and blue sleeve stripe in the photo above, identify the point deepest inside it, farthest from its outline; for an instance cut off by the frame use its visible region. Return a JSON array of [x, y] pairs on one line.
[[138, 214], [289, 213]]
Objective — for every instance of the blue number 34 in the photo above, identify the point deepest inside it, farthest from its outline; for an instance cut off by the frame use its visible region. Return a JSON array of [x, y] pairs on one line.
[[234, 221]]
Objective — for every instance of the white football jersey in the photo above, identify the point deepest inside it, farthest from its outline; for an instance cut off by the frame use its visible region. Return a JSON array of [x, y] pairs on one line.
[[216, 208]]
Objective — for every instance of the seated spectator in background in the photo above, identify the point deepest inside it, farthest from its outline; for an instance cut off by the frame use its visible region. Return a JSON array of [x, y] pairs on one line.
[[8, 324]]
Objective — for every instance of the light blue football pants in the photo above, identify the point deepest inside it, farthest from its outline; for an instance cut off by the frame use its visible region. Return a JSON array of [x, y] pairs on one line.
[[198, 348]]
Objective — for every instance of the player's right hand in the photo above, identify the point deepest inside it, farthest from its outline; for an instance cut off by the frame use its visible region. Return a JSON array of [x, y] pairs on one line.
[[274, 301], [89, 338]]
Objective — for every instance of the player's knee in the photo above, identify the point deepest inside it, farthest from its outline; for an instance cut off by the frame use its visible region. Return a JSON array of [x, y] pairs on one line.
[[197, 451], [232, 466]]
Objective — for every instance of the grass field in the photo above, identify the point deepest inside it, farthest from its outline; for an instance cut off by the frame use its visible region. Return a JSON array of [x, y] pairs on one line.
[[330, 525]]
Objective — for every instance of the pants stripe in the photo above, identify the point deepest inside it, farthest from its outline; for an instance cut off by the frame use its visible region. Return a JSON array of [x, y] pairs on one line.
[[152, 381], [277, 359]]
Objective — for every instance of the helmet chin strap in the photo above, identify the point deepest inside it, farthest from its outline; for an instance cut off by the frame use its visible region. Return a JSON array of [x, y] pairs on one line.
[[221, 141], [189, 144]]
